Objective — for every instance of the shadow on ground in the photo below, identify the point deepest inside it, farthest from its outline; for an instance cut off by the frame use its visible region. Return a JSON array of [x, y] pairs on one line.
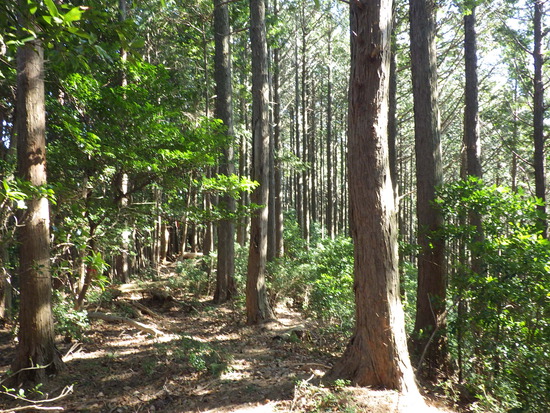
[[207, 360]]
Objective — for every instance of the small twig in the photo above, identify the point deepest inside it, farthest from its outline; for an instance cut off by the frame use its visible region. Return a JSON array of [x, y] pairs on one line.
[[25, 369], [37, 404], [436, 329], [36, 407], [73, 348]]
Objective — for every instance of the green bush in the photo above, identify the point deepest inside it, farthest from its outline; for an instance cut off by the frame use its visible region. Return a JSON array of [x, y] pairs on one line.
[[332, 297], [68, 322], [198, 356], [500, 326]]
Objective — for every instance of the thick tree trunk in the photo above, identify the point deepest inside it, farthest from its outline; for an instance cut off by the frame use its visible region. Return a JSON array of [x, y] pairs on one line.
[[257, 304], [36, 346], [225, 285], [430, 305], [538, 116], [377, 354]]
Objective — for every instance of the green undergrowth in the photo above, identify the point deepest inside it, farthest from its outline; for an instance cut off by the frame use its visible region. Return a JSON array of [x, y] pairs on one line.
[[193, 355]]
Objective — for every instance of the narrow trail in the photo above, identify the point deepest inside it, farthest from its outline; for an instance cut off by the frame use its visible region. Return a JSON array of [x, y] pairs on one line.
[[206, 360]]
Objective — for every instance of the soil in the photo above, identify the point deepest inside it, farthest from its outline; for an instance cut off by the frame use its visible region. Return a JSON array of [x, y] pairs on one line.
[[205, 359]]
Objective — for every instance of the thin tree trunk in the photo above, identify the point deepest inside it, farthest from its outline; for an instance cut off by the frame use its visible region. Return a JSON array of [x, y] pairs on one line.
[[330, 184], [305, 136], [5, 285], [121, 261], [279, 221], [471, 128], [538, 116], [298, 185]]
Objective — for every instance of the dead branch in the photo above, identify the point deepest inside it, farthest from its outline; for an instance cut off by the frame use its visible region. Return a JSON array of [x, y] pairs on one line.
[[145, 310], [116, 319], [38, 404]]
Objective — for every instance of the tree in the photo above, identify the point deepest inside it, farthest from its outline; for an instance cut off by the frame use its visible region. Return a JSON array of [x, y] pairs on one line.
[[471, 107], [538, 114], [430, 304], [36, 347], [225, 287], [121, 265], [278, 173], [377, 353], [257, 305]]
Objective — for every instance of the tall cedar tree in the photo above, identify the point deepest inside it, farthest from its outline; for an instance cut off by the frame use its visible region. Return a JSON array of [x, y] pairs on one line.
[[278, 173], [471, 122], [122, 261], [430, 304], [36, 345], [377, 353], [225, 285], [538, 114], [257, 305]]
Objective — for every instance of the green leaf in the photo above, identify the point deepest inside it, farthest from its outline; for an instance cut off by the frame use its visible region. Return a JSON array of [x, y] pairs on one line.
[[52, 8], [72, 15], [101, 51], [138, 43], [79, 32]]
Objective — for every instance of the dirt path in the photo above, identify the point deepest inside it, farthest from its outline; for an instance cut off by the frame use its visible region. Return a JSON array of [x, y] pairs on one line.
[[206, 360]]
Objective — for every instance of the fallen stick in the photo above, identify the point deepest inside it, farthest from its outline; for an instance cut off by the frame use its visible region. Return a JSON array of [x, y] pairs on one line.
[[145, 310], [114, 319]]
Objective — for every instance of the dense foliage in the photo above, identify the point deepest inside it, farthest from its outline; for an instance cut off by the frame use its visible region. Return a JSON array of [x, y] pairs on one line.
[[500, 329]]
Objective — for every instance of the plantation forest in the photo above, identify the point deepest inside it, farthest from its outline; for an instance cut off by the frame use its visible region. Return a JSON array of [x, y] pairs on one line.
[[274, 206]]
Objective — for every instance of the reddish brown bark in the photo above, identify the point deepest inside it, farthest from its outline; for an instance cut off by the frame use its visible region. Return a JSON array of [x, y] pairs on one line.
[[377, 354], [257, 305], [430, 304]]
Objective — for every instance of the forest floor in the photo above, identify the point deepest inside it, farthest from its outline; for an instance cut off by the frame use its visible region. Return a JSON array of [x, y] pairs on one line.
[[202, 358]]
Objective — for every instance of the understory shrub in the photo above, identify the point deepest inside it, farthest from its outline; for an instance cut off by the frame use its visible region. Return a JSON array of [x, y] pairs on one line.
[[499, 329]]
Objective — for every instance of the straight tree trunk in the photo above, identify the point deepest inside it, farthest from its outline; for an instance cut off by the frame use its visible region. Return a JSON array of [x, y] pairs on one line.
[[377, 353], [298, 185], [36, 346], [392, 115], [279, 221], [330, 185], [430, 305], [305, 188], [5, 285], [257, 304], [538, 116], [122, 261], [471, 111], [225, 284], [471, 127]]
